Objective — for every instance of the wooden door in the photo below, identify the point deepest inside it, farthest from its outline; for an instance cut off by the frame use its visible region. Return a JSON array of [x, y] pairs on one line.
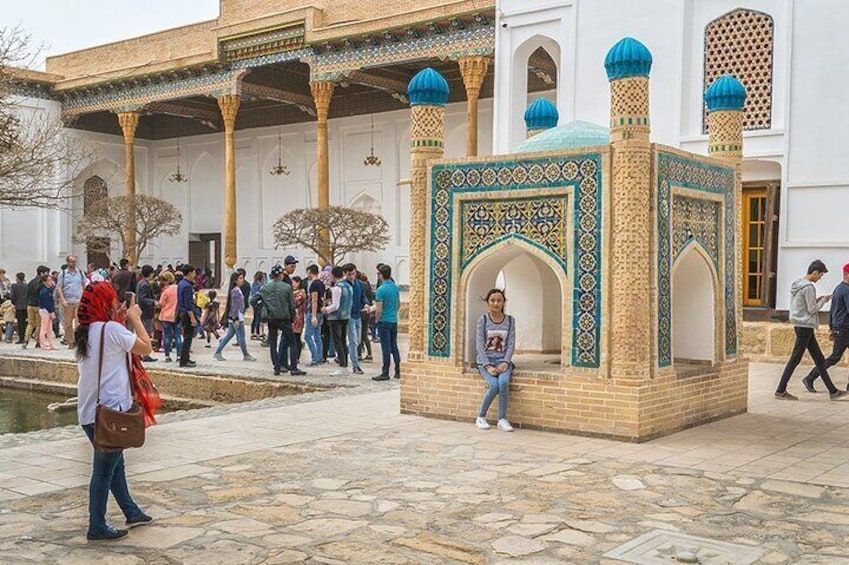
[[756, 216]]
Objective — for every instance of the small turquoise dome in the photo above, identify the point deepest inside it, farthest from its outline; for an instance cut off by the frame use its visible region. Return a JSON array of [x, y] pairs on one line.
[[428, 87], [573, 135], [541, 114], [725, 93], [628, 58]]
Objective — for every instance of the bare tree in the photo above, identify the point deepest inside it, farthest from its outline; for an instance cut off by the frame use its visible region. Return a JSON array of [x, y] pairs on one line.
[[106, 221], [348, 231], [39, 162]]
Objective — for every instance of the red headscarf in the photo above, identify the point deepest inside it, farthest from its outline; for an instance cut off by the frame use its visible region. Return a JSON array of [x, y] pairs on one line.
[[97, 305]]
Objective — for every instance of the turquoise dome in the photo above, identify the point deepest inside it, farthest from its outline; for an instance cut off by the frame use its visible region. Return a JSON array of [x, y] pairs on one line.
[[573, 135], [429, 88], [628, 58], [541, 114], [725, 93]]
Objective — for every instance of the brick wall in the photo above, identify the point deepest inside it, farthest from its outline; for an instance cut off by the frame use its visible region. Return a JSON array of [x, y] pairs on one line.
[[769, 342], [631, 410]]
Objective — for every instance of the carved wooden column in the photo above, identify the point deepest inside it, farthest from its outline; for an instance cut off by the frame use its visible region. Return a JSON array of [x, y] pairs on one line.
[[129, 121], [726, 98], [322, 92], [229, 105], [628, 64], [473, 70], [428, 93]]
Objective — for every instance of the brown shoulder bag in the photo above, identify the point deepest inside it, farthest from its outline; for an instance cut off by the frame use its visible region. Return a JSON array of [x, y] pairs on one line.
[[115, 430]]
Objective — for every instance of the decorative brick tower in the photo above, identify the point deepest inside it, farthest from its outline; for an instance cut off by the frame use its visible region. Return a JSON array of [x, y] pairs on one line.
[[540, 116], [628, 64], [428, 94], [725, 99]]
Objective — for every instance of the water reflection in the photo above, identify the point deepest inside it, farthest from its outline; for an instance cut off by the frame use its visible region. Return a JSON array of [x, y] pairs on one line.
[[26, 410]]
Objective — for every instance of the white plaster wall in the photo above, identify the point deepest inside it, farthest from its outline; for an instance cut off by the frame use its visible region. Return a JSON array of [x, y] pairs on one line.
[[692, 308]]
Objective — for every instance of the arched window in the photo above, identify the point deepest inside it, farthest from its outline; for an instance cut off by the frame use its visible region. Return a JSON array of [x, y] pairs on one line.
[[542, 72], [741, 43], [94, 189]]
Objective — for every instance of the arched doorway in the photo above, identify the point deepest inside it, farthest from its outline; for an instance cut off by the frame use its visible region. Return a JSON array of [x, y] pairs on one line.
[[693, 312], [95, 190], [534, 298]]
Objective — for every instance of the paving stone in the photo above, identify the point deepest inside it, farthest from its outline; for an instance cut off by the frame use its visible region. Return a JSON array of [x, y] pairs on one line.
[[590, 526], [796, 489], [571, 537], [328, 484], [161, 537], [518, 546], [444, 547], [323, 527], [345, 507], [628, 482], [531, 530]]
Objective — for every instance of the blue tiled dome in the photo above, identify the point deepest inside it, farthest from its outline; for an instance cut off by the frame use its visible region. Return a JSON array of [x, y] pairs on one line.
[[428, 87], [725, 93], [573, 135], [541, 114], [628, 58]]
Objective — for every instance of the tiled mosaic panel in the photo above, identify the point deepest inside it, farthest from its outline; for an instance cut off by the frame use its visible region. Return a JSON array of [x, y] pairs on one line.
[[741, 43], [583, 174], [696, 219], [539, 221], [673, 170]]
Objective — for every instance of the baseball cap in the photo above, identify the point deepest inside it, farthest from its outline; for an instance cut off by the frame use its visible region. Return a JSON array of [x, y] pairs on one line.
[[289, 260], [846, 268]]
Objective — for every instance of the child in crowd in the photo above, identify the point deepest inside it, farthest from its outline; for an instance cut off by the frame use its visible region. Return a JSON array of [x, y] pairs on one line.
[[211, 318], [7, 312]]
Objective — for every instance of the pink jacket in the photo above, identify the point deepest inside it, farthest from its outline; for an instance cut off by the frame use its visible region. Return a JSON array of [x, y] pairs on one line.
[[168, 304]]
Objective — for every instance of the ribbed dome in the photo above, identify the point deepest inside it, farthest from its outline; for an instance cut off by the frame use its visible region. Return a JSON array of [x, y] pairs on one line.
[[541, 114], [628, 58], [573, 135], [725, 93], [428, 87]]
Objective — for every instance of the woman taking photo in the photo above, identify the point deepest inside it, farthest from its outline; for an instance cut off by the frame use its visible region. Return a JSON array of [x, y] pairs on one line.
[[107, 355], [496, 340], [234, 313]]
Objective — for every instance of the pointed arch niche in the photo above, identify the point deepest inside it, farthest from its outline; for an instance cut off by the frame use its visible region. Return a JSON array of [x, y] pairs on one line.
[[694, 297], [534, 287]]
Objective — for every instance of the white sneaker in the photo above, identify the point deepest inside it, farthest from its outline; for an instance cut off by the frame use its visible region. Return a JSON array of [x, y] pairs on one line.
[[339, 373], [504, 425], [481, 423]]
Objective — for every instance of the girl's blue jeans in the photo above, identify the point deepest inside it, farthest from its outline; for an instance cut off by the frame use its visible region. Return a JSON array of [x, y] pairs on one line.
[[498, 386]]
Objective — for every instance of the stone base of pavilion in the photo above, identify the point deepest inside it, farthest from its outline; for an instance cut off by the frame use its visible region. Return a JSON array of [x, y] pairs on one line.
[[564, 400]]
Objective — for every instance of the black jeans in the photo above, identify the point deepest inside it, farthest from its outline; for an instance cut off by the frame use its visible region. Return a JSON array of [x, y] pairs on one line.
[[22, 324], [365, 342], [287, 344], [325, 339], [339, 331], [805, 340], [188, 335], [841, 342]]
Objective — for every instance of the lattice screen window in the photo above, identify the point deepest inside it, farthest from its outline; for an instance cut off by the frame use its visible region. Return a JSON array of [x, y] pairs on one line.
[[741, 43]]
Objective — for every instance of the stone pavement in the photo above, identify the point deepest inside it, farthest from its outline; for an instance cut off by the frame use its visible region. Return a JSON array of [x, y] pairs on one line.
[[347, 479]]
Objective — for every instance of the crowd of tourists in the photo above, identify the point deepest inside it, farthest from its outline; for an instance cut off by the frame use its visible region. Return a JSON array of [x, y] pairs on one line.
[[336, 311]]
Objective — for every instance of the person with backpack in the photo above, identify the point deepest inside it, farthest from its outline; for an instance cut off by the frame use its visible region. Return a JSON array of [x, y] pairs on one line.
[[69, 288], [804, 315], [495, 342]]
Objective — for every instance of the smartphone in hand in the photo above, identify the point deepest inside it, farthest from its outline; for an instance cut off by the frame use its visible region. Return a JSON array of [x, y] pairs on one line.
[[129, 298]]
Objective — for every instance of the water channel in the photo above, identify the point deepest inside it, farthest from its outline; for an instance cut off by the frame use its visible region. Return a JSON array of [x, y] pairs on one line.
[[26, 410]]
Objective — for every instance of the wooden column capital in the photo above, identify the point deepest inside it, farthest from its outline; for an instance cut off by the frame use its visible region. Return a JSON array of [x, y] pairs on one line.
[[322, 92], [128, 122], [229, 106], [473, 69]]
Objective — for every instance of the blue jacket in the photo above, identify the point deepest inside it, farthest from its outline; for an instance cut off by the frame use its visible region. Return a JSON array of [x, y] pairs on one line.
[[838, 315], [359, 300], [185, 297], [45, 299]]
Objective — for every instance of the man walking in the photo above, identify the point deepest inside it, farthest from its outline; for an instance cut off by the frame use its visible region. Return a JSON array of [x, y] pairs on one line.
[[70, 287], [124, 280], [19, 299], [838, 325], [804, 315], [33, 317], [186, 313], [147, 303], [355, 322], [338, 312], [387, 300], [278, 303], [314, 317]]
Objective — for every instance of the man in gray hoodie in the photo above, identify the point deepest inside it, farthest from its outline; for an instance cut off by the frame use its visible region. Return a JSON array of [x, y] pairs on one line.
[[804, 315]]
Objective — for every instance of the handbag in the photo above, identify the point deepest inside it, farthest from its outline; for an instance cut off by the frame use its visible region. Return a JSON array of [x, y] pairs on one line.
[[115, 430]]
